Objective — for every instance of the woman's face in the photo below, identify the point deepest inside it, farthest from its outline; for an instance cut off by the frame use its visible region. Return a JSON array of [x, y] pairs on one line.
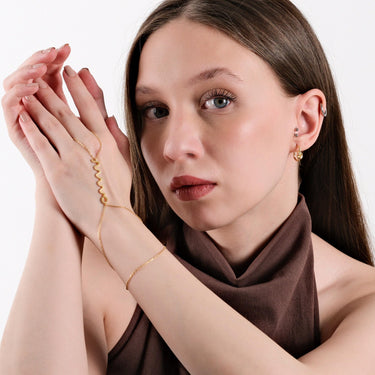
[[217, 127]]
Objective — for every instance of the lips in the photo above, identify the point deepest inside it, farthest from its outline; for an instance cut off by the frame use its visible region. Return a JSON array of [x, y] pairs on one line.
[[189, 188]]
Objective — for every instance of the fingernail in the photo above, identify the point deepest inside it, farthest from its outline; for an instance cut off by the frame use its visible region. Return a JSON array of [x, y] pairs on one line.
[[69, 71], [32, 84], [86, 69], [36, 66], [28, 98], [41, 83], [24, 116], [64, 45], [48, 50]]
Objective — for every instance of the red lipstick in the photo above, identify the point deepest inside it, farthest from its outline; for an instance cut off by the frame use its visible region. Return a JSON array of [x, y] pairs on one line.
[[189, 188]]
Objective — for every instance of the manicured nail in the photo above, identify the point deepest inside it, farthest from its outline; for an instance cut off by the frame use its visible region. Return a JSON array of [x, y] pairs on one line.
[[69, 71], [64, 45], [24, 116], [48, 50], [36, 66], [28, 98]]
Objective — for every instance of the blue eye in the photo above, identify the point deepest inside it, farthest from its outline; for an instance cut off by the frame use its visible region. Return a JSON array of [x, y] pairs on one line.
[[153, 113], [217, 103], [217, 99]]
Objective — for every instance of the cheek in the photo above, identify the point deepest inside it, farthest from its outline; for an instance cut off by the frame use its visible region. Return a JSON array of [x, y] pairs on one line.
[[256, 151]]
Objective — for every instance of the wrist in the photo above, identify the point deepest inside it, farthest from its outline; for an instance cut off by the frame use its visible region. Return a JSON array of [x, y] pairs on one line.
[[47, 210], [125, 241], [44, 196], [113, 222]]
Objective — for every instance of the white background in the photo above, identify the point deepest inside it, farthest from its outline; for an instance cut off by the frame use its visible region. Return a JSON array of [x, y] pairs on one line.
[[100, 32]]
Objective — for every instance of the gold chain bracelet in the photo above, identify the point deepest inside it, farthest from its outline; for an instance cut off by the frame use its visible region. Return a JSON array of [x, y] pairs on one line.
[[104, 201], [141, 266], [103, 197]]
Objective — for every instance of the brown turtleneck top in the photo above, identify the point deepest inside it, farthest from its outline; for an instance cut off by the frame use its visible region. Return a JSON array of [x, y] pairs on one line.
[[277, 293]]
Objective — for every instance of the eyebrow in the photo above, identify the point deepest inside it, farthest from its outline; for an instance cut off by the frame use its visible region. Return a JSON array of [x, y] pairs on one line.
[[203, 76], [213, 73]]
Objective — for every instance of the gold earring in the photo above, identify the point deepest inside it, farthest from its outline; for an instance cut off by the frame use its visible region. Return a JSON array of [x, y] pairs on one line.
[[298, 154]]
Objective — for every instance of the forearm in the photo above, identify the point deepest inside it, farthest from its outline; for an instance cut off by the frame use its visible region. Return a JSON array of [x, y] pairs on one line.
[[206, 334], [44, 332]]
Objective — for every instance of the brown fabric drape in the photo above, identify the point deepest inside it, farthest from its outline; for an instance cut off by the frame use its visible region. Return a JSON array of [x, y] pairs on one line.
[[277, 293]]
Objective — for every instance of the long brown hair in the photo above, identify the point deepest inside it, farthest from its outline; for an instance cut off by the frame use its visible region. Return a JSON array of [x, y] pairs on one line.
[[277, 32]]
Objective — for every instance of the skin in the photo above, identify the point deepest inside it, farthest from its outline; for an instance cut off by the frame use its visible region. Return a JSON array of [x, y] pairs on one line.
[[253, 168], [186, 141]]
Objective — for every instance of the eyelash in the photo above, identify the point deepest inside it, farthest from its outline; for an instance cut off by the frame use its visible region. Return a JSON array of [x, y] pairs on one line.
[[210, 95], [218, 94], [151, 105]]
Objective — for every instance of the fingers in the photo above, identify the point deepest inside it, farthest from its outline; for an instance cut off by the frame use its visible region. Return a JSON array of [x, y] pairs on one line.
[[44, 56], [11, 101], [12, 105], [38, 142], [52, 129], [25, 74], [46, 64], [51, 103], [62, 54], [53, 76], [88, 110], [34, 66], [49, 56], [94, 89], [97, 93]]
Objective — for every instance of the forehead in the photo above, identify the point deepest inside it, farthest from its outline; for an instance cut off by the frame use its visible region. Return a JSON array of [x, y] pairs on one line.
[[182, 49]]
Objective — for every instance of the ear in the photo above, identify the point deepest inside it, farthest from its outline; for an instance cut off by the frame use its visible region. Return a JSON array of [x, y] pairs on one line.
[[309, 117]]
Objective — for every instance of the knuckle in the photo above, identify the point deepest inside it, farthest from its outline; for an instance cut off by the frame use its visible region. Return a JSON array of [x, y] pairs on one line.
[[99, 94], [64, 113], [91, 145], [96, 146], [40, 144], [6, 83], [4, 101], [49, 124]]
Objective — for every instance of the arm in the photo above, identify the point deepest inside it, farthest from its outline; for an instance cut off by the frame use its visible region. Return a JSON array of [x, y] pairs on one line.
[[208, 336], [180, 307], [44, 332]]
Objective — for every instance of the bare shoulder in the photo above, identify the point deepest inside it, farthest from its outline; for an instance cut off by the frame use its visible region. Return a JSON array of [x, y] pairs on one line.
[[346, 293], [108, 307], [344, 285]]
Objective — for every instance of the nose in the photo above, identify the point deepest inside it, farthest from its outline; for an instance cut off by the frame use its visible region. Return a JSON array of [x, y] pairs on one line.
[[183, 138]]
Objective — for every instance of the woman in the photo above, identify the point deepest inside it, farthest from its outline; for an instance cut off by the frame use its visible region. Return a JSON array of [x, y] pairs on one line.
[[232, 112]]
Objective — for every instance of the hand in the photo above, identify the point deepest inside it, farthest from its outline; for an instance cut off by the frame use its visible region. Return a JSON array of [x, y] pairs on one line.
[[65, 146], [43, 64], [97, 93]]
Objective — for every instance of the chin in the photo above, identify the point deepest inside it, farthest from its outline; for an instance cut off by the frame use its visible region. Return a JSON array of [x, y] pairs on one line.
[[205, 216], [201, 227], [202, 223]]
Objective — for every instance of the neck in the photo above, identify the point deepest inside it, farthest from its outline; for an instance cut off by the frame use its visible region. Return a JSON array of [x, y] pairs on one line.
[[241, 240]]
